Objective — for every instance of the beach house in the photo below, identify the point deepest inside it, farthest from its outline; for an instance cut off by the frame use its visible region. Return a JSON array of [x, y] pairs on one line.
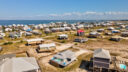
[[81, 40], [93, 34], [28, 34], [63, 36], [15, 35], [80, 32], [47, 30], [62, 59], [100, 30], [36, 32], [124, 34], [115, 38], [101, 58]]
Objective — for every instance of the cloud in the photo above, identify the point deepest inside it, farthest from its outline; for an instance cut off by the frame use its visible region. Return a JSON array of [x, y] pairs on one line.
[[53, 15], [88, 15], [92, 15]]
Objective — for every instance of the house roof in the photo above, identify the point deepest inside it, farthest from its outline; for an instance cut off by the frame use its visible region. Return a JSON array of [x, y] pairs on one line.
[[36, 39], [29, 30], [47, 45], [124, 32], [80, 31], [65, 54], [62, 35], [19, 64], [101, 53], [93, 33]]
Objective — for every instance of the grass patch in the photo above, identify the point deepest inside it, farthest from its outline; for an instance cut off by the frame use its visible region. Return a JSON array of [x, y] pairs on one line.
[[21, 55], [8, 43], [114, 54]]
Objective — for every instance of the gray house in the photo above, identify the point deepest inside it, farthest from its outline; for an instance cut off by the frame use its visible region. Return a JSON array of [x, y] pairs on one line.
[[28, 34], [81, 40], [21, 64], [47, 30], [36, 32], [64, 58], [115, 38], [93, 34], [15, 35], [100, 30], [101, 58], [63, 36], [124, 34]]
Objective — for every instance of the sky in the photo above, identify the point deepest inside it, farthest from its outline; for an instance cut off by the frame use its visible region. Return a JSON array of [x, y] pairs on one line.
[[63, 9]]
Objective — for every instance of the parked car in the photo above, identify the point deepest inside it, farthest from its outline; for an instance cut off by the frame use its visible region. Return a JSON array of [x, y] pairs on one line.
[[80, 40]]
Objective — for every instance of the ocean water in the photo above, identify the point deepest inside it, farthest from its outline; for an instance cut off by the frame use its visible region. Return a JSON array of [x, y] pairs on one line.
[[10, 22]]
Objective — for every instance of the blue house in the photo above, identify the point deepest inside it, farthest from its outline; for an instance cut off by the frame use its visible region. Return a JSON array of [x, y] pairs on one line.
[[29, 30]]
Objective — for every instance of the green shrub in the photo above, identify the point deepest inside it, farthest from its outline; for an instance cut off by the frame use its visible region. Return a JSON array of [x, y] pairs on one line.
[[76, 43], [63, 41], [7, 43], [21, 41]]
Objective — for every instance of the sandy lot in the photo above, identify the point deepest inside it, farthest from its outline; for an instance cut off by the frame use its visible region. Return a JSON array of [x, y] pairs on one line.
[[118, 49]]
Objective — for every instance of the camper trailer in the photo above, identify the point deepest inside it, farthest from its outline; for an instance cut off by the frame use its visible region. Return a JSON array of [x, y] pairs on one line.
[[63, 36], [124, 34], [100, 30], [46, 47], [35, 41], [93, 34], [115, 38]]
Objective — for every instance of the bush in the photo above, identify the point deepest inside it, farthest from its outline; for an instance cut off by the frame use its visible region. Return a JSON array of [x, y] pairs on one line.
[[21, 41], [63, 41], [7, 43], [76, 43]]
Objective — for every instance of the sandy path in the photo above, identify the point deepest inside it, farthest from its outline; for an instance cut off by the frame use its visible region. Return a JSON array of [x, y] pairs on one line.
[[64, 46]]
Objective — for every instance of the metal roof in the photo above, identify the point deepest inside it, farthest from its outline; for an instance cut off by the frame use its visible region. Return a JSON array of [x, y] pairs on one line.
[[63, 35], [36, 39], [101, 53], [21, 64], [47, 45], [65, 54]]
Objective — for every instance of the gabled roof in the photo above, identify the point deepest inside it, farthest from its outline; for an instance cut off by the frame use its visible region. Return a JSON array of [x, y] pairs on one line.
[[65, 54], [80, 31], [101, 53], [36, 39], [19, 64], [47, 45], [63, 35], [93, 33]]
